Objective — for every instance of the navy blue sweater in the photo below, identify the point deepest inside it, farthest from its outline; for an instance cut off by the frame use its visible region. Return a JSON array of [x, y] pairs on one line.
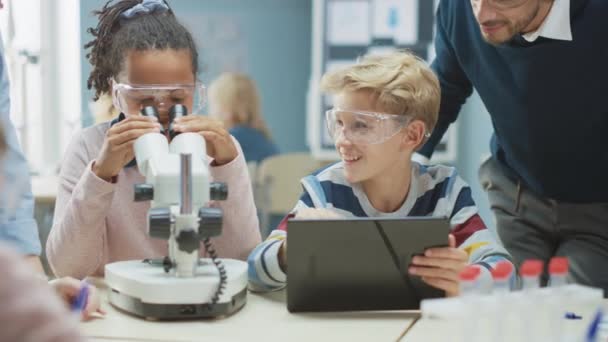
[[548, 99]]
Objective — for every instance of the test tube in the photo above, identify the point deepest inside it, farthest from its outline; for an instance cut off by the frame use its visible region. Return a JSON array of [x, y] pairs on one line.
[[501, 274], [530, 272], [469, 280], [558, 271]]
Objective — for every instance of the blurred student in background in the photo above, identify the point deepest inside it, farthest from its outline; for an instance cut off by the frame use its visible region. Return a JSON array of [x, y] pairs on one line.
[[234, 99], [17, 226], [30, 310], [19, 236]]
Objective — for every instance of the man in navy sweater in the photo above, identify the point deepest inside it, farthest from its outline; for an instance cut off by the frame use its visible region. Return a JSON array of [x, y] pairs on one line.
[[541, 69]]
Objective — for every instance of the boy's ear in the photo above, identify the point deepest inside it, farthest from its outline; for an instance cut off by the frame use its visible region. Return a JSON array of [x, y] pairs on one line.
[[414, 134]]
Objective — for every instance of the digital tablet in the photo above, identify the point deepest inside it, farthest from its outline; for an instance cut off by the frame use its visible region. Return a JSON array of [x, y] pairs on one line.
[[359, 263]]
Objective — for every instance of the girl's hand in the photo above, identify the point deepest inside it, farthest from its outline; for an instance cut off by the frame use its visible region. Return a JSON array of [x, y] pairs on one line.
[[117, 149], [68, 289], [220, 146]]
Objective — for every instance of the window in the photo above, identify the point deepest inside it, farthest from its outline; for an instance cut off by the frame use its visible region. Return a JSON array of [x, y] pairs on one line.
[[41, 46]]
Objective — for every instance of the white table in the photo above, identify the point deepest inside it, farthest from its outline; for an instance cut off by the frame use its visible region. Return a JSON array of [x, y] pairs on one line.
[[264, 317], [429, 330]]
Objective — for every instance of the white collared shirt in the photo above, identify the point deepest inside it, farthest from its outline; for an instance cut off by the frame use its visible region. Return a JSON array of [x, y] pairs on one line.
[[556, 24]]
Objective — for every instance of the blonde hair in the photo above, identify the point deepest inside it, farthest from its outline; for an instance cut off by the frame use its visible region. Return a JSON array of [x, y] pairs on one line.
[[238, 94], [401, 83]]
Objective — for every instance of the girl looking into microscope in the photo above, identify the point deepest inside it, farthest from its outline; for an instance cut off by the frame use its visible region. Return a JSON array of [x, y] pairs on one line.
[[143, 56]]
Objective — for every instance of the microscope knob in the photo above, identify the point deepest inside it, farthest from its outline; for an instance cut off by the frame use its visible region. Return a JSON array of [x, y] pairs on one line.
[[167, 264], [159, 222], [210, 222], [143, 192], [188, 241], [218, 191]]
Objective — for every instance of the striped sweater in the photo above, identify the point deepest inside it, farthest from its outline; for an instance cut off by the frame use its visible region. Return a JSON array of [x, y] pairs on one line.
[[434, 191]]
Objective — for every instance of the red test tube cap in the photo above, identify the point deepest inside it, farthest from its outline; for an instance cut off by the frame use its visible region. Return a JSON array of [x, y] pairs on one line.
[[502, 270], [470, 273], [558, 265], [531, 268]]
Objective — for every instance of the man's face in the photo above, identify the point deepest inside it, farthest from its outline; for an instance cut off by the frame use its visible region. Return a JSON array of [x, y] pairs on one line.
[[500, 20]]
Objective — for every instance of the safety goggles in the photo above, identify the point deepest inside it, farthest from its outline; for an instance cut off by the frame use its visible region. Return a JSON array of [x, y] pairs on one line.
[[501, 4], [365, 128], [131, 98]]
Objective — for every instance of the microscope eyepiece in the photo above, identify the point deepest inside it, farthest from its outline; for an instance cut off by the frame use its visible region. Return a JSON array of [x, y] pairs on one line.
[[150, 111], [176, 111]]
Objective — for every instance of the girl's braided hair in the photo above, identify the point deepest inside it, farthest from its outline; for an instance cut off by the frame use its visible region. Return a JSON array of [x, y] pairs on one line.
[[115, 36]]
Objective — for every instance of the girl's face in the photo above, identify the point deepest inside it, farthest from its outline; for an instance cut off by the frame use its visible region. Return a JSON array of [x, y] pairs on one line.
[[163, 68]]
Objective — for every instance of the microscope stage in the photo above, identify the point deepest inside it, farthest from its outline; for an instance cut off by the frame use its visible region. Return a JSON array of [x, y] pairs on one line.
[[147, 291]]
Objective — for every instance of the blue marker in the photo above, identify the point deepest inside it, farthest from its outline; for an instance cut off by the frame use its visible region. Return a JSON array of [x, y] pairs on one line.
[[592, 331], [572, 315], [81, 300]]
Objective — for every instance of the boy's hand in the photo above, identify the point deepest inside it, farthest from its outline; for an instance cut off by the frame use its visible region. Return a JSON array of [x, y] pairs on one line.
[[440, 267], [317, 213], [68, 288], [220, 146]]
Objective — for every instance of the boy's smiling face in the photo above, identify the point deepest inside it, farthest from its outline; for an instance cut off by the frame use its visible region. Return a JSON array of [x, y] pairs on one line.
[[366, 162]]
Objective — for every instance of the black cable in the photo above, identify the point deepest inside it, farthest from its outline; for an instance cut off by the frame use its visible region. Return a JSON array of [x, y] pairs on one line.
[[220, 268]]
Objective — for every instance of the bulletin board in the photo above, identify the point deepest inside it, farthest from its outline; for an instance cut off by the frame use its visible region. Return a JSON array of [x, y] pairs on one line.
[[343, 31]]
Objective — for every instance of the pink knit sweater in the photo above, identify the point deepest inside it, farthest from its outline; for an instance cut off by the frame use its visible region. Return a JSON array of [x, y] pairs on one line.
[[97, 222]]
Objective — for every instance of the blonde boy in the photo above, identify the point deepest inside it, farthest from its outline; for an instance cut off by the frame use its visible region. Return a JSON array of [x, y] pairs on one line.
[[384, 109]]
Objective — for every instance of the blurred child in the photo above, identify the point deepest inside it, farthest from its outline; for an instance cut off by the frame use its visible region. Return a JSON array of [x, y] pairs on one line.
[[31, 309], [143, 56], [234, 99], [384, 108]]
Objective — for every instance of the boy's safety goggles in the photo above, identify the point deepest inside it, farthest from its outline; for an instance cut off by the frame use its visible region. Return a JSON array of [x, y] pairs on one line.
[[365, 128], [131, 98]]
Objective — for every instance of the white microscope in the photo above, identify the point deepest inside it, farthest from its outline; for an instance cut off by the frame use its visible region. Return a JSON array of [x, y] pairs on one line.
[[181, 285]]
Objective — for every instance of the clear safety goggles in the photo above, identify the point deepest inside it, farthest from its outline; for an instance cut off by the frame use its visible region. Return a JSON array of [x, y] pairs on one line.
[[130, 99], [365, 128]]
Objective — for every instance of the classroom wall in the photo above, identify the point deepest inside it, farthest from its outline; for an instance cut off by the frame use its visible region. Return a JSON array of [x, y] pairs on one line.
[[474, 132], [268, 39]]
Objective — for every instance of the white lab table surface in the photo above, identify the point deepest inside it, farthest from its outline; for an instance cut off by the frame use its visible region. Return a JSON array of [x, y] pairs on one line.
[[264, 318], [430, 330]]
